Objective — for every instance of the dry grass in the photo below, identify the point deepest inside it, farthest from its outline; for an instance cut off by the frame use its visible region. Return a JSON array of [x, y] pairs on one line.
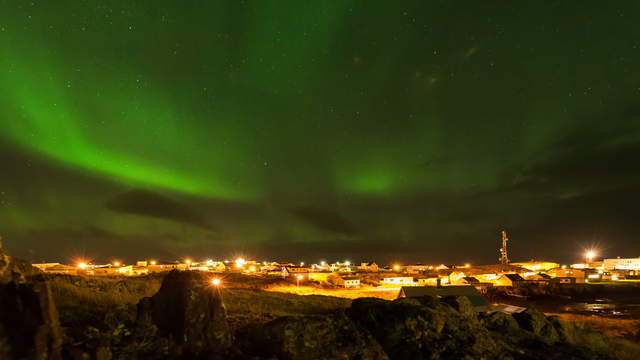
[[387, 294], [251, 306], [608, 326]]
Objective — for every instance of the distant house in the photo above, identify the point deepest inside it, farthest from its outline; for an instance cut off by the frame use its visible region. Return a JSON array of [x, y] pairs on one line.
[[578, 274], [297, 271], [369, 267], [348, 282], [455, 275], [510, 280], [467, 280], [427, 281], [398, 280], [540, 278], [166, 266], [478, 302]]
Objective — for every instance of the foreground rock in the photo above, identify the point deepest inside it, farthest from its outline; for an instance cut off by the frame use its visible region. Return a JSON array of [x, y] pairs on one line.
[[185, 319], [29, 327], [332, 336], [425, 328], [13, 269]]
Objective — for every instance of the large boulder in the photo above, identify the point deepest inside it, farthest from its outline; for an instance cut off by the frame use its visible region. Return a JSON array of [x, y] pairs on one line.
[[185, 318], [29, 327], [332, 336], [427, 329], [502, 322], [534, 321]]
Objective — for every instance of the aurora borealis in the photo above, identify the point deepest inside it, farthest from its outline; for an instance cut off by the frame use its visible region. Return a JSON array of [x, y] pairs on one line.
[[331, 129]]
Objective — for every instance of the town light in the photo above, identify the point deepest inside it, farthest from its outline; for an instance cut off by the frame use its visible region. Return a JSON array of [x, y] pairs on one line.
[[396, 267], [589, 255], [467, 265], [252, 268], [323, 263], [301, 263], [215, 282], [115, 263], [300, 277], [152, 262], [82, 265], [347, 262], [188, 261], [240, 262]]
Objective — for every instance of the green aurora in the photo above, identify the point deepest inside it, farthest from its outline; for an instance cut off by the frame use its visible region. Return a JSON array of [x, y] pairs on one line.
[[347, 128]]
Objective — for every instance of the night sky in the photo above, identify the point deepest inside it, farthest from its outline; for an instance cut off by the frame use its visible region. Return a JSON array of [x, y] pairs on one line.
[[326, 130]]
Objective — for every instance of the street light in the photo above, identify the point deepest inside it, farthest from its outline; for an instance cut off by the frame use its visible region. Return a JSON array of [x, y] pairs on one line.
[[589, 255], [298, 278], [215, 282]]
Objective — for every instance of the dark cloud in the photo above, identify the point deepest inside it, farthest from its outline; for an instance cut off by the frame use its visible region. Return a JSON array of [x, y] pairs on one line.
[[324, 220], [151, 204]]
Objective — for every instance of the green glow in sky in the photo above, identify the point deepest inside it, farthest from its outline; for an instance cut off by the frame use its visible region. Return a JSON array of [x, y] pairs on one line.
[[382, 122]]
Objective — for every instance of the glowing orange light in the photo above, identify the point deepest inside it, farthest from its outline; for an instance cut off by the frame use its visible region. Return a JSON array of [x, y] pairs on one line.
[[152, 262], [215, 282], [300, 277], [396, 267], [116, 263], [82, 265]]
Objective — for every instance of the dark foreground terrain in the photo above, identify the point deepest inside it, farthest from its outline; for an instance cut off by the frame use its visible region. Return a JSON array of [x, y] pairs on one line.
[[181, 316]]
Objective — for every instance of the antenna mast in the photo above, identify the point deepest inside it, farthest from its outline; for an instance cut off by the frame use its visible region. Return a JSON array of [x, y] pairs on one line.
[[504, 259]]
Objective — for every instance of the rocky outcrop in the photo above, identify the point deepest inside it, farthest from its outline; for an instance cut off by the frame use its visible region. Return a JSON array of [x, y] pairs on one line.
[[12, 269], [29, 327], [186, 318], [534, 321], [327, 337], [424, 328]]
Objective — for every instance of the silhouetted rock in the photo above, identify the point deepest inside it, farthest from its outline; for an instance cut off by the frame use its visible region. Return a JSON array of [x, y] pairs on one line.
[[502, 322], [332, 336], [461, 304], [186, 318], [534, 321], [411, 330], [12, 269], [29, 327]]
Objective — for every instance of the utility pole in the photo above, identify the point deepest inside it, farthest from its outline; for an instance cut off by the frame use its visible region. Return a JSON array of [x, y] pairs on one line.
[[504, 259]]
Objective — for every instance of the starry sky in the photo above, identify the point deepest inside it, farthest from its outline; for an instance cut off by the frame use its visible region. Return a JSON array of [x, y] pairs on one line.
[[325, 130]]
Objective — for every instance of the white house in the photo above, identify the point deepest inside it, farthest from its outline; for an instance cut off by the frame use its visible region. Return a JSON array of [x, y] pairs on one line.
[[398, 280], [622, 264], [349, 282]]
